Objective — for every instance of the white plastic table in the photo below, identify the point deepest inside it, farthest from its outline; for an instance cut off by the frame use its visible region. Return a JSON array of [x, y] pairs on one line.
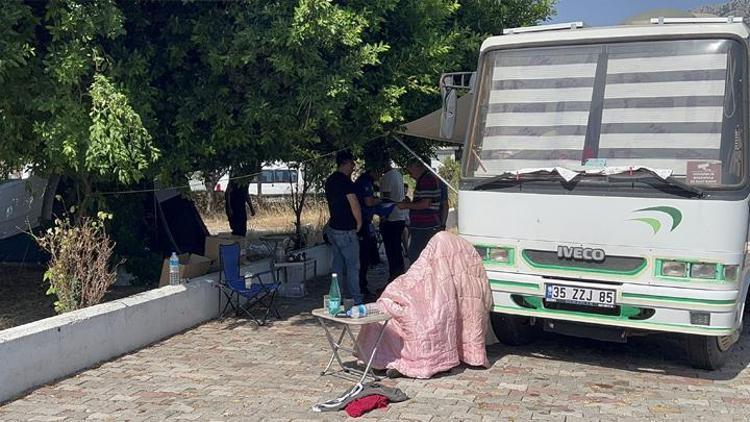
[[346, 325]]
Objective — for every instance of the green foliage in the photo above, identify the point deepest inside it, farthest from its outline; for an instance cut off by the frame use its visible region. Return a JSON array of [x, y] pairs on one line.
[[119, 145], [128, 226], [112, 92], [17, 24], [107, 85], [76, 122], [451, 172], [17, 52]]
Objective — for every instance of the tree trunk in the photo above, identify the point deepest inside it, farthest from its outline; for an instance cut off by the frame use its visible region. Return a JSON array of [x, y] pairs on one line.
[[210, 180], [299, 241]]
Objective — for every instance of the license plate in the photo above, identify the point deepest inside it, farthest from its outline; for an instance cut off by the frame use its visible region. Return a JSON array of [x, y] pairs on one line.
[[604, 298]]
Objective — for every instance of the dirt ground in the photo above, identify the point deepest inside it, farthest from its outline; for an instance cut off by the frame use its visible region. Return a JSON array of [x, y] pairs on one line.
[[23, 297]]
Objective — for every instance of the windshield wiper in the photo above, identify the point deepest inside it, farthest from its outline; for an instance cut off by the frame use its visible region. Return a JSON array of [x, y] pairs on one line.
[[670, 181], [518, 177], [635, 174]]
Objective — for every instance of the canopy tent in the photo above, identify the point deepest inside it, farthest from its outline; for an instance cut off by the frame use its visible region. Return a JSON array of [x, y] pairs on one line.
[[170, 223], [429, 126], [24, 205], [180, 226]]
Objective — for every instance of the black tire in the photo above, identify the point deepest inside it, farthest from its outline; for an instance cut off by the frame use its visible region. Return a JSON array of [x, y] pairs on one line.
[[709, 353], [513, 330]]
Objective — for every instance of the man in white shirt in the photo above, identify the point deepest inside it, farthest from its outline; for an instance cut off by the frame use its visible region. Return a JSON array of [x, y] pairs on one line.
[[391, 228]]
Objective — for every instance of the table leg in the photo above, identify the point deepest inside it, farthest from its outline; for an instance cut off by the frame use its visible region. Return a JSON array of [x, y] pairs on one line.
[[372, 355], [334, 347]]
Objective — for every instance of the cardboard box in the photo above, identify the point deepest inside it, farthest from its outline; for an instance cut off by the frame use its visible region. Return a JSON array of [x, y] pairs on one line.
[[191, 265], [212, 244]]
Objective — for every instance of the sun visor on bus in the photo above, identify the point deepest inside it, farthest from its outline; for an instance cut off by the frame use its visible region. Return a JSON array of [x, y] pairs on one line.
[[428, 126]]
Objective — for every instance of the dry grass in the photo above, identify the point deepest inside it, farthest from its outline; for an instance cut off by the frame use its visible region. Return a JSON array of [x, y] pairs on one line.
[[277, 216]]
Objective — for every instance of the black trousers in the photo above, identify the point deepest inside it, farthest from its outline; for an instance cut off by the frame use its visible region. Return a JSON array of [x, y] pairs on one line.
[[364, 259], [391, 232], [238, 222]]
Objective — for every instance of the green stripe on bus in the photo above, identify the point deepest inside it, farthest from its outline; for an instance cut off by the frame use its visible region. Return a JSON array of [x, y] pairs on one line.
[[594, 317], [494, 282], [679, 299]]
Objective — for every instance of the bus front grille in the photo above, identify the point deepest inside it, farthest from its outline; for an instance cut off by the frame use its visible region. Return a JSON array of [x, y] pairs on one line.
[[623, 265]]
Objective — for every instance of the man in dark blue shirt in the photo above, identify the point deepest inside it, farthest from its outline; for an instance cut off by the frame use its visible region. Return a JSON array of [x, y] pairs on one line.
[[365, 190]]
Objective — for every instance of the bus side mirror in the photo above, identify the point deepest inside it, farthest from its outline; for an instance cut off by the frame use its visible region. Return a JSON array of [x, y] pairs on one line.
[[450, 84]]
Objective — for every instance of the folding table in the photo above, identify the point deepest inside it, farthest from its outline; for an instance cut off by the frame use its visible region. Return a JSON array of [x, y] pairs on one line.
[[346, 325]]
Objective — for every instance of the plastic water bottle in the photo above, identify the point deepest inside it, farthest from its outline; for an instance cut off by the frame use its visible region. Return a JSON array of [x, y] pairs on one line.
[[174, 269], [361, 311], [334, 295], [357, 311]]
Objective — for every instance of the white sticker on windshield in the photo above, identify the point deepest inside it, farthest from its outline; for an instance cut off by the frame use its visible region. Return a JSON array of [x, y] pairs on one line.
[[704, 173], [596, 162]]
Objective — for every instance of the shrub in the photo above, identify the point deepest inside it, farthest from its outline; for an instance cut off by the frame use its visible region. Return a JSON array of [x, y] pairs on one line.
[[80, 271], [134, 243], [451, 171]]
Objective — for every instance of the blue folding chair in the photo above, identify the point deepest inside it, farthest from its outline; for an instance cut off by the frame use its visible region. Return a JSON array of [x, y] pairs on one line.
[[233, 285]]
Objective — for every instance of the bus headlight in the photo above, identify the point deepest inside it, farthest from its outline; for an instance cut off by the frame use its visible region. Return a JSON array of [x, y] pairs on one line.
[[731, 272], [495, 254], [501, 255], [704, 271], [482, 251], [674, 269]]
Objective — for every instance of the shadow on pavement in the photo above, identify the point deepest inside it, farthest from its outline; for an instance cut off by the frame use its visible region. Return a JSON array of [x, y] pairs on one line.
[[656, 353]]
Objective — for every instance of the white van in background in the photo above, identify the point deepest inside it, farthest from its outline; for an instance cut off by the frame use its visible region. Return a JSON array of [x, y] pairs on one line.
[[275, 179]]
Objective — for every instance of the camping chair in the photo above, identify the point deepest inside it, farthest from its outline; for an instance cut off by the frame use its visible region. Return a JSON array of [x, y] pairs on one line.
[[232, 284]]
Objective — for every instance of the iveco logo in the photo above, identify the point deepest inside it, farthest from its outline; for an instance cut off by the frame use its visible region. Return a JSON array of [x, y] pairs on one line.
[[580, 254]]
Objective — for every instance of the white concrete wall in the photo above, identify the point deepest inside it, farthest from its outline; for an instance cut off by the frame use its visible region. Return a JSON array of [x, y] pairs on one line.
[[40, 352], [45, 350]]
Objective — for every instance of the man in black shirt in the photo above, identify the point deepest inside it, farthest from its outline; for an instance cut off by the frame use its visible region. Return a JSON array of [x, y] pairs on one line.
[[365, 187], [344, 223]]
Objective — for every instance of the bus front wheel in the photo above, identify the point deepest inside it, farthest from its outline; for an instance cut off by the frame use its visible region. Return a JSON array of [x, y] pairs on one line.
[[709, 353], [513, 330]]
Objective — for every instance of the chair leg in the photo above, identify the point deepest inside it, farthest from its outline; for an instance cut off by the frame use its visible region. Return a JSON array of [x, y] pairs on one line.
[[268, 302], [273, 305], [229, 297]]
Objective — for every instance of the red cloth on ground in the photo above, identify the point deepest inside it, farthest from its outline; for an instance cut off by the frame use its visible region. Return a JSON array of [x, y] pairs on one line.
[[363, 405]]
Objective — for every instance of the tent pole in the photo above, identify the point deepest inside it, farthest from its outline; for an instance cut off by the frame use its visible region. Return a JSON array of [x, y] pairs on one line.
[[427, 166]]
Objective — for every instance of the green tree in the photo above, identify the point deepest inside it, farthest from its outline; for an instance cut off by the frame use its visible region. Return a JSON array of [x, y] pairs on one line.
[[74, 119], [17, 59], [114, 92]]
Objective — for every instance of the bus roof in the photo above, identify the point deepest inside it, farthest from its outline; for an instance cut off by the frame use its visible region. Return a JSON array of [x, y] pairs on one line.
[[623, 32]]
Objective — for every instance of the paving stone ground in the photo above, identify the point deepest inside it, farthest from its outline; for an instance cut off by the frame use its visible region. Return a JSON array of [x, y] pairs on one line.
[[233, 370]]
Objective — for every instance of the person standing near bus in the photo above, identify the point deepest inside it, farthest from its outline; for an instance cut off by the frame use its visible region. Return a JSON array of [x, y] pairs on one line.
[[444, 205], [365, 190], [345, 220], [391, 228], [424, 210]]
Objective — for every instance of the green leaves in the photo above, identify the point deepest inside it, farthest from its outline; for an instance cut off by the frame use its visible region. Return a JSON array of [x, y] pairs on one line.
[[16, 37], [102, 90], [119, 145]]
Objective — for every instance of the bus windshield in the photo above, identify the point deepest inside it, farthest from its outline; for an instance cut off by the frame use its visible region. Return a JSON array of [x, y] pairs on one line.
[[670, 105]]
